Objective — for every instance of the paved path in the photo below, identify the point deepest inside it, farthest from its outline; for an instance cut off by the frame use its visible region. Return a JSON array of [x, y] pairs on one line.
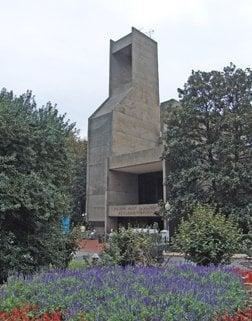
[[88, 247], [238, 263]]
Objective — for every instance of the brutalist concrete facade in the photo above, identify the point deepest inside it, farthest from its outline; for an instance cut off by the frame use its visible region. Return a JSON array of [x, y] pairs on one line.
[[124, 136]]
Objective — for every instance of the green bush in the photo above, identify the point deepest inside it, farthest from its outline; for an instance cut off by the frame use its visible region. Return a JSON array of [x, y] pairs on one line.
[[128, 247], [35, 185], [208, 237], [248, 239], [78, 264]]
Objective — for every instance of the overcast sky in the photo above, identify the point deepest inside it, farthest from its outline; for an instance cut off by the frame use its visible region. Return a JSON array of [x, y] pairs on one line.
[[60, 48]]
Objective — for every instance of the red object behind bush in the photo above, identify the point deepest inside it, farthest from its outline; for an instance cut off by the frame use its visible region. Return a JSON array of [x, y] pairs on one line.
[[246, 275]]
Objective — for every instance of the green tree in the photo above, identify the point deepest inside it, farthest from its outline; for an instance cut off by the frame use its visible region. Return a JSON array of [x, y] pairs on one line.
[[78, 148], [207, 237], [35, 189], [208, 144]]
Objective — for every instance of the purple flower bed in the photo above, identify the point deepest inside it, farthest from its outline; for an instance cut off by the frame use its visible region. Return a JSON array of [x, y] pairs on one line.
[[182, 292]]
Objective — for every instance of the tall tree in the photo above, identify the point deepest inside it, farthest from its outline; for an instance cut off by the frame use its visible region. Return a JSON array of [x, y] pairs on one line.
[[35, 189], [208, 144], [78, 148]]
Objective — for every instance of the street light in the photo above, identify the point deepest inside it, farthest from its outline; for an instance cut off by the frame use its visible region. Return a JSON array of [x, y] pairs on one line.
[[84, 217], [167, 206], [166, 219]]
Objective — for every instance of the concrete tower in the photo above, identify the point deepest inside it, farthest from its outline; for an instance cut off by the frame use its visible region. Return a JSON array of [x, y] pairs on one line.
[[123, 133]]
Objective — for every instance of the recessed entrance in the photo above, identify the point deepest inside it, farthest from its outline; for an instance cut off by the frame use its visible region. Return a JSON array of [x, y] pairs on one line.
[[142, 222]]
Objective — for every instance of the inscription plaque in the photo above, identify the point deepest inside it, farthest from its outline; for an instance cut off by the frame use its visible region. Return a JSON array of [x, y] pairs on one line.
[[144, 210]]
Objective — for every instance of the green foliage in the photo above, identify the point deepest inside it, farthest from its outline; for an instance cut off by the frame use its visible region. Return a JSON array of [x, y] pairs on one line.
[[248, 240], [35, 167], [208, 144], [78, 264], [78, 149], [162, 212], [128, 247], [208, 237]]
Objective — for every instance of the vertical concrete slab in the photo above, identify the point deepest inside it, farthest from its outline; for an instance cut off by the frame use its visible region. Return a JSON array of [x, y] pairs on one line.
[[136, 119], [99, 149]]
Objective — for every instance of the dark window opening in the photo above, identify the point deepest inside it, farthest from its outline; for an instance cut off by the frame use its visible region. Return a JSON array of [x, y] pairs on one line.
[[150, 188], [121, 68]]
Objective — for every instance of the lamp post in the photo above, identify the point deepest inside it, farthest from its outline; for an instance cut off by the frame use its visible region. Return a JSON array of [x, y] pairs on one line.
[[84, 216], [166, 218], [84, 221]]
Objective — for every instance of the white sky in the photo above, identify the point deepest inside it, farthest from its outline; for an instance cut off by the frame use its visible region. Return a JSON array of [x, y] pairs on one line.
[[60, 48]]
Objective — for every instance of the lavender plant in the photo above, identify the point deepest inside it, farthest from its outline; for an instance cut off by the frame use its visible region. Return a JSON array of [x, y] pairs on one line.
[[180, 292]]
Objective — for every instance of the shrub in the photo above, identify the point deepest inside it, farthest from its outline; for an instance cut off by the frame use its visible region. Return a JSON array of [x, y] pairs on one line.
[[78, 264], [248, 239], [208, 237], [128, 247]]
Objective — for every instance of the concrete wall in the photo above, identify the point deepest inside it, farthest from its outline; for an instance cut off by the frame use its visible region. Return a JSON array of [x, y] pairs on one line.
[[99, 147], [140, 157], [122, 188], [136, 119]]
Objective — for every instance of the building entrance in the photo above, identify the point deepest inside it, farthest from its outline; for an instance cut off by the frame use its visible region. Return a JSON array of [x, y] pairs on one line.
[[140, 222]]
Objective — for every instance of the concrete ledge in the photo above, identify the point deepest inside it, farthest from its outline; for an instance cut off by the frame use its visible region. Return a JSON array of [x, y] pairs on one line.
[[137, 158], [240, 256], [121, 43], [173, 254], [235, 256]]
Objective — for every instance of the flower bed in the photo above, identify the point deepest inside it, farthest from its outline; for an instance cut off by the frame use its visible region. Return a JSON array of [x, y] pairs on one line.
[[184, 292], [245, 315], [29, 313]]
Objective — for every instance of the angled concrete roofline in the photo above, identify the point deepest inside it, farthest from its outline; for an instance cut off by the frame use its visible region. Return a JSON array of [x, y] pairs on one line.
[[169, 101], [97, 109], [115, 47], [107, 100], [125, 39], [143, 34]]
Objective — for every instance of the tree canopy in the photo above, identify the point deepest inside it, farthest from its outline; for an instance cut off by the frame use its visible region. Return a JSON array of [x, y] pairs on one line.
[[78, 149], [208, 144], [35, 184]]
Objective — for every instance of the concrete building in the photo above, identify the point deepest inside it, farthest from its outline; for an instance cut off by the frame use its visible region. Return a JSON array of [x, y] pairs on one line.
[[125, 173]]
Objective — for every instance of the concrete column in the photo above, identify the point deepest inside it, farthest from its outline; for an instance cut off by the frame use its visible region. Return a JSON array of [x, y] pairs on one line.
[[166, 223], [106, 196]]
